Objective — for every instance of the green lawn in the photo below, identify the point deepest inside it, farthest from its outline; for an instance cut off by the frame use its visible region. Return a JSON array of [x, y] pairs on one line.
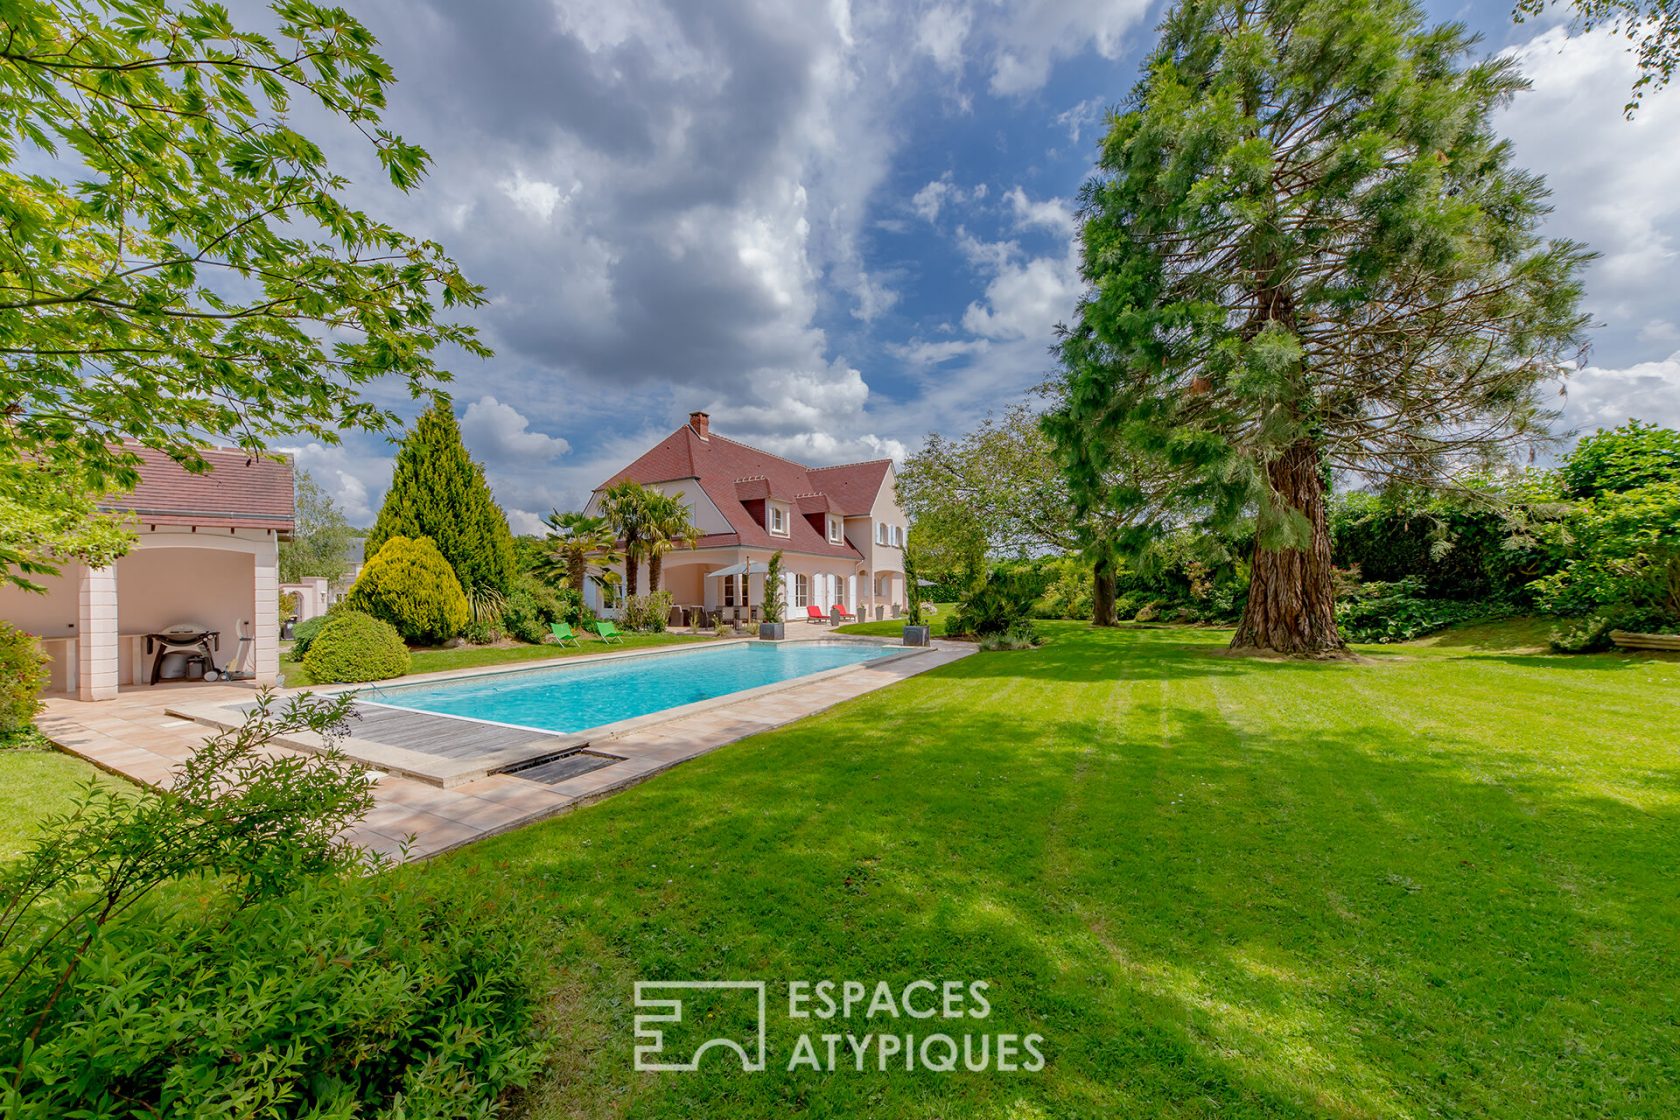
[[1439, 881], [894, 627], [473, 657], [35, 784]]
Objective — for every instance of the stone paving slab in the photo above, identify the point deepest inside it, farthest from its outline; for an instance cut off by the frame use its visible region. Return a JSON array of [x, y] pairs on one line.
[[133, 736]]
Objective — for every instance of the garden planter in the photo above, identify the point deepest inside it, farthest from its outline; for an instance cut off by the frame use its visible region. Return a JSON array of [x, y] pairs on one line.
[[772, 631], [916, 635]]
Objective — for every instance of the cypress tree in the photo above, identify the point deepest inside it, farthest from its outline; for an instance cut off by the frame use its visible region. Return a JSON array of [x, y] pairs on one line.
[[1307, 249], [437, 491]]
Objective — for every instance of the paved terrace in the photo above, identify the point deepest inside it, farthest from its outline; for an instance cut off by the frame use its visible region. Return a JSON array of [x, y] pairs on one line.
[[138, 736]]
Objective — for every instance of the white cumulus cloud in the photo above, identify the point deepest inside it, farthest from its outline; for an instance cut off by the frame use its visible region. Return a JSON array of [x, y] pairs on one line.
[[940, 34], [536, 197], [1613, 180], [498, 432], [1606, 398]]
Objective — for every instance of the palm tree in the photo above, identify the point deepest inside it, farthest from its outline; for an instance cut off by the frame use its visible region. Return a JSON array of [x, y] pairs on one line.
[[666, 526], [577, 543], [625, 506]]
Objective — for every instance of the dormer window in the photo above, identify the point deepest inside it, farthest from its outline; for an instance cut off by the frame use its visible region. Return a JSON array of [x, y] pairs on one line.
[[836, 532], [778, 520]]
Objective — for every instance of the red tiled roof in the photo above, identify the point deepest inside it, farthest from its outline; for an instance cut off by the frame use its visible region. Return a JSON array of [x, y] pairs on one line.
[[816, 503], [853, 486], [238, 492], [756, 489], [730, 473]]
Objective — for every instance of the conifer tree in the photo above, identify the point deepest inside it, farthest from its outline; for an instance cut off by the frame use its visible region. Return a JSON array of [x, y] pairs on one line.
[[437, 491], [1308, 251]]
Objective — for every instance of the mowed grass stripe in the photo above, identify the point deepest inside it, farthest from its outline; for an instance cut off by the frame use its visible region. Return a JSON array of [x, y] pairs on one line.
[[1437, 882]]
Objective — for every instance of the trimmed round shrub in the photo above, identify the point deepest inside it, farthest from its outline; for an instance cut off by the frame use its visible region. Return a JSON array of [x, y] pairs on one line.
[[23, 674], [354, 647], [409, 584]]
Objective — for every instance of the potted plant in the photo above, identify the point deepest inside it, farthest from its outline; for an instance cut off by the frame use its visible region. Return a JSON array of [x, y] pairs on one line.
[[915, 632], [773, 629]]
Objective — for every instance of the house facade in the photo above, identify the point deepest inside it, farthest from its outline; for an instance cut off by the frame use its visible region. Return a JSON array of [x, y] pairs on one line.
[[208, 556], [840, 529]]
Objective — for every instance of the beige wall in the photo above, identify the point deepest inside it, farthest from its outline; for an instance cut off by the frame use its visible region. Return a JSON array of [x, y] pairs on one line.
[[52, 615], [212, 578], [314, 596], [830, 583], [162, 587], [880, 558], [702, 510], [685, 582]]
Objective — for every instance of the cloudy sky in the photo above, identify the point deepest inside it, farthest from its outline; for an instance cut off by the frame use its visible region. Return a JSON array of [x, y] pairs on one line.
[[840, 225]]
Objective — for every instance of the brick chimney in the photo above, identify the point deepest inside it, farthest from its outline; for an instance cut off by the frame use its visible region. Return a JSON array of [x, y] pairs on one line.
[[701, 423]]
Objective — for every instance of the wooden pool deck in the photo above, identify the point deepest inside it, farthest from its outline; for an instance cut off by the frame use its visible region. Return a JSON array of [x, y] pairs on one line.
[[440, 750]]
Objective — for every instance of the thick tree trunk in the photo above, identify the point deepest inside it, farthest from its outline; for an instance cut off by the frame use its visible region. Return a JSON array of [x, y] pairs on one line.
[[1102, 593], [575, 573], [1291, 597], [630, 568], [655, 565]]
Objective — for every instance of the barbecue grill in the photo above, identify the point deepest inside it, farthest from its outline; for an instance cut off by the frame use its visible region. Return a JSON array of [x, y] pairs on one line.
[[191, 641]]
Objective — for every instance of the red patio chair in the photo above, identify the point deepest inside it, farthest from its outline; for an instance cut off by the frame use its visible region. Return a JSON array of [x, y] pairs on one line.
[[814, 613], [841, 614]]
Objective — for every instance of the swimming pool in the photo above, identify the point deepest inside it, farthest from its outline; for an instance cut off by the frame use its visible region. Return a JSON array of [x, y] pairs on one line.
[[569, 698]]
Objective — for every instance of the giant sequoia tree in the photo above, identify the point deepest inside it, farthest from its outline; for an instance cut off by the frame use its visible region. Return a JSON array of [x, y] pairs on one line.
[[1308, 251], [437, 491]]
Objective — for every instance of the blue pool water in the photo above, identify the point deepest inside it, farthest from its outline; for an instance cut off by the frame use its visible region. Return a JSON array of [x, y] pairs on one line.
[[577, 697]]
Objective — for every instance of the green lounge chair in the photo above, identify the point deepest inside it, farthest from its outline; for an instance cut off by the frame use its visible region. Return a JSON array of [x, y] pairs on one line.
[[608, 632], [563, 631]]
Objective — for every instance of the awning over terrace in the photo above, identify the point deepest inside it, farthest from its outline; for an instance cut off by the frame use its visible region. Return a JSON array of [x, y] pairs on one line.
[[752, 569]]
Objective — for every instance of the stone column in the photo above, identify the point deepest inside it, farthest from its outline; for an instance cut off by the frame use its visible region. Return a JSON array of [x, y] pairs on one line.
[[96, 634], [265, 602]]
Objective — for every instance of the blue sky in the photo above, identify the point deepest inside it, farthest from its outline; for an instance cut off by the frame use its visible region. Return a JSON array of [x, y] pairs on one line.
[[841, 225]]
